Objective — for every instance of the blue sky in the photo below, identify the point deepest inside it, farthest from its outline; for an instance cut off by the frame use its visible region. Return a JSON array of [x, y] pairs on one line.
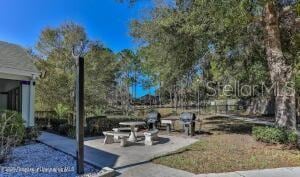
[[105, 20]]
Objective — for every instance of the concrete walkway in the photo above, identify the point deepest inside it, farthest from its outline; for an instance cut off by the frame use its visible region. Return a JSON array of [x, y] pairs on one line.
[[277, 172], [153, 170]]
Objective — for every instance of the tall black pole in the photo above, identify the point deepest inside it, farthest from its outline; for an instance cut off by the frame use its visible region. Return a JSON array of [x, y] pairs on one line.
[[80, 113]]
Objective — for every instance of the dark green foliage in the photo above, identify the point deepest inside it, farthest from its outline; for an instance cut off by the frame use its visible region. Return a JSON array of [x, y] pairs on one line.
[[274, 135], [12, 132], [64, 129], [32, 133], [55, 123], [41, 123], [72, 132], [269, 135], [298, 83], [96, 125], [292, 138], [12, 124]]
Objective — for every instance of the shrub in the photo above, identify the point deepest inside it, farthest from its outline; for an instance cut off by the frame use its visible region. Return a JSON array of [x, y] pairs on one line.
[[269, 134], [274, 135], [96, 125], [55, 123], [72, 132], [11, 132], [41, 123], [64, 129], [292, 137], [174, 113], [32, 133]]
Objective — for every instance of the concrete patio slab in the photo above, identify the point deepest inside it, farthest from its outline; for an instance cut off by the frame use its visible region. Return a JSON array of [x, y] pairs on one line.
[[114, 156], [229, 174], [277, 172], [138, 152]]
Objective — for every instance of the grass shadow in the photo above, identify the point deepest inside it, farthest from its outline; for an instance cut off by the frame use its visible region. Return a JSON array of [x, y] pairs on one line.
[[226, 125], [202, 132], [234, 128]]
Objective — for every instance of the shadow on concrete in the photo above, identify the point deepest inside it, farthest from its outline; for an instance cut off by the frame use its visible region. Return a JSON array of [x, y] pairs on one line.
[[93, 138], [99, 158], [95, 157], [162, 140]]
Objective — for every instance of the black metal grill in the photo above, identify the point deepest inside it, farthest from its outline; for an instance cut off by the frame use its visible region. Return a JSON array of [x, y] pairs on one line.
[[187, 117], [153, 120], [188, 121]]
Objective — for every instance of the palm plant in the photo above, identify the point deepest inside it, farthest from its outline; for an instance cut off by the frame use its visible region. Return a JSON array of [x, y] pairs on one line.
[[11, 132], [61, 111]]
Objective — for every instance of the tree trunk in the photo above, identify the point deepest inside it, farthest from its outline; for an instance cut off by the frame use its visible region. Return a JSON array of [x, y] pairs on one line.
[[176, 97], [171, 98], [280, 71], [159, 94], [198, 100]]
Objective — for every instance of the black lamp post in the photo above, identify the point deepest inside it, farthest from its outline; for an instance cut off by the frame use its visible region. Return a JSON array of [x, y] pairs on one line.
[[79, 94]]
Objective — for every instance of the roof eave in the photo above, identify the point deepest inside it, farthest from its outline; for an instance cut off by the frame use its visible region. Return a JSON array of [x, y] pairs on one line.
[[18, 72]]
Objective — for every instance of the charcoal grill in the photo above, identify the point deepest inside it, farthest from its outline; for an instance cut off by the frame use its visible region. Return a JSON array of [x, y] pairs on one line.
[[153, 120], [188, 119]]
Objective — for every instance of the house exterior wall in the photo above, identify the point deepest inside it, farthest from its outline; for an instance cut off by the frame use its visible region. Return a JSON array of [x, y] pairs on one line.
[[27, 94]]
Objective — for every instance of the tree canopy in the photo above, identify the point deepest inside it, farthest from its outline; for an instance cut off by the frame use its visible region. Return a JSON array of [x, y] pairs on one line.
[[103, 68], [221, 41]]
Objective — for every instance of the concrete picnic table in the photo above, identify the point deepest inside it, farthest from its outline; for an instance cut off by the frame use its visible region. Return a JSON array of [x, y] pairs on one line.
[[132, 125]]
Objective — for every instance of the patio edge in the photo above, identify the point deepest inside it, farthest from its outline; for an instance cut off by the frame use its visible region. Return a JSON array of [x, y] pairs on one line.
[[104, 171]]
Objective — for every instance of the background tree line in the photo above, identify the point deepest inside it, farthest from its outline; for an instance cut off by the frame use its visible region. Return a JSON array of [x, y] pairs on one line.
[[187, 43], [108, 75], [184, 44]]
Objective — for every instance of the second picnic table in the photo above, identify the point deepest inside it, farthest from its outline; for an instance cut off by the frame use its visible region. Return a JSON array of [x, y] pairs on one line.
[[132, 125]]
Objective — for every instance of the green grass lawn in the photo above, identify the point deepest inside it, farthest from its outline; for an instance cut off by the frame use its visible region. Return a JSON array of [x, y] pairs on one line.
[[226, 146]]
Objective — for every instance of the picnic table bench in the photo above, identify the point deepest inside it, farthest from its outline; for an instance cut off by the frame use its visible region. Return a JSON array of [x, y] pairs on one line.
[[109, 137], [150, 136]]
